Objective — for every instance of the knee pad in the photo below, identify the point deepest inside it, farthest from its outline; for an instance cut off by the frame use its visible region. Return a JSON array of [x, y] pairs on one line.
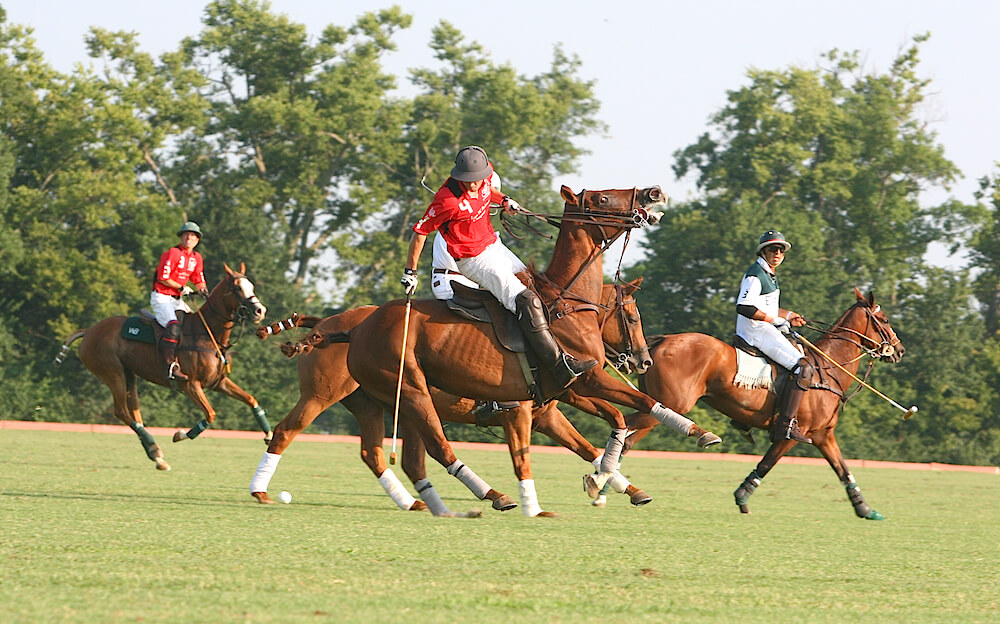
[[172, 331], [531, 308], [804, 374]]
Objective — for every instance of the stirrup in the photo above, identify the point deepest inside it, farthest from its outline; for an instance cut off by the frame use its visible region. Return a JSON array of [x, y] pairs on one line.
[[792, 432], [174, 371], [577, 367]]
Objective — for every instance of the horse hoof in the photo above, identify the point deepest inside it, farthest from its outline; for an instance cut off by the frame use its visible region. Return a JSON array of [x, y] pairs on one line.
[[262, 498], [267, 438], [744, 509], [640, 498], [708, 439], [161, 464], [418, 505], [874, 515], [180, 435], [546, 514], [594, 482], [472, 513], [600, 501], [504, 503]]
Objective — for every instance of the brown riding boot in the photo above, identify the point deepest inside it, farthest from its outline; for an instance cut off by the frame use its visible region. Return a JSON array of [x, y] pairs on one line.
[[563, 366], [168, 349], [786, 425]]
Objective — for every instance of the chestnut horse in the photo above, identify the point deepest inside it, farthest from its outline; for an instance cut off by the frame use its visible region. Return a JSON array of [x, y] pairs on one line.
[[117, 361], [323, 382], [688, 367], [461, 358]]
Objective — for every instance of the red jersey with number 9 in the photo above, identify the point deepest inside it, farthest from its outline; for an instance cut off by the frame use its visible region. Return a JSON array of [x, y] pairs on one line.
[[180, 266], [464, 220]]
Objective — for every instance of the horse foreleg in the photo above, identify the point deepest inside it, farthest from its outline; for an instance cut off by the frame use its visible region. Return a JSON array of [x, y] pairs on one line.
[[229, 388], [517, 429], [750, 484], [197, 394], [827, 444]]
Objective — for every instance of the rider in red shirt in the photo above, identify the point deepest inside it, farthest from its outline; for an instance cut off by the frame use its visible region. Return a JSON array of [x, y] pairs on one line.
[[460, 211], [178, 266]]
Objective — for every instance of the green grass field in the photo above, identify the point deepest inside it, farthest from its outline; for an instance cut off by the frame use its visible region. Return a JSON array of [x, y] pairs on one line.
[[92, 533]]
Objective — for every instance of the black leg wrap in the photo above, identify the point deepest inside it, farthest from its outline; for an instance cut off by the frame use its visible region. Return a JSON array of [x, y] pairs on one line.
[[861, 508], [748, 487]]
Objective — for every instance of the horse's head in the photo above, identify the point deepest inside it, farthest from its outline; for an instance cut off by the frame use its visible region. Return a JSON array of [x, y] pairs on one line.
[[238, 297], [869, 321], [627, 208], [621, 328]]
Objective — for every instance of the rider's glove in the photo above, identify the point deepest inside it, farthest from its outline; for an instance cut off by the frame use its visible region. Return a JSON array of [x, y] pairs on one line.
[[510, 205], [782, 325], [186, 290], [204, 293], [409, 281]]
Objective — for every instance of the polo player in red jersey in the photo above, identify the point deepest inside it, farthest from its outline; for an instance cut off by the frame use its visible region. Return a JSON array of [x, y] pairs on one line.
[[460, 211], [178, 266]]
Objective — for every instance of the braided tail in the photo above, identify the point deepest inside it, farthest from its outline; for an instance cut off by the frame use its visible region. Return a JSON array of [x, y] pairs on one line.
[[65, 347]]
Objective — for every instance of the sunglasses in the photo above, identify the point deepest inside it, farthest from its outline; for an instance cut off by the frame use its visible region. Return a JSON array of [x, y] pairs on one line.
[[774, 249]]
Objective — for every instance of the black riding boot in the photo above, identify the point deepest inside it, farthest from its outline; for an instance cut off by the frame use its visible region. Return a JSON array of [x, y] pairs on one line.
[[168, 349], [786, 425], [563, 366]]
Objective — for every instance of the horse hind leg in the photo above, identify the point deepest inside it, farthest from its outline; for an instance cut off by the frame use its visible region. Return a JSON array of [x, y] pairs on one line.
[[753, 480], [133, 417]]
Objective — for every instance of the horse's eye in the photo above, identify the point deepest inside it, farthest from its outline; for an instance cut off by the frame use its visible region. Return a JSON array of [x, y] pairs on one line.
[[603, 200]]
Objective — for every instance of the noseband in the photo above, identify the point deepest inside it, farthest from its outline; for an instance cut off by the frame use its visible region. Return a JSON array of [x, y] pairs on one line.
[[620, 358]]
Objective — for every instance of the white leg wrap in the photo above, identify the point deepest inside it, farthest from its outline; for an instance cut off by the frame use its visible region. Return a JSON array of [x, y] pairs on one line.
[[471, 480], [613, 451], [265, 470], [394, 488], [430, 496], [618, 482], [529, 499], [597, 462], [672, 419]]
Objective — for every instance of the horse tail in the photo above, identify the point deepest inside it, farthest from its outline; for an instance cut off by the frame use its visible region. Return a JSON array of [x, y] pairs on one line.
[[65, 346], [293, 321], [315, 340]]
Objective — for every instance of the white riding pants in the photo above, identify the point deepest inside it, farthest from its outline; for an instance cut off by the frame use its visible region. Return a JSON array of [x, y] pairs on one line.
[[495, 269], [165, 307], [773, 343]]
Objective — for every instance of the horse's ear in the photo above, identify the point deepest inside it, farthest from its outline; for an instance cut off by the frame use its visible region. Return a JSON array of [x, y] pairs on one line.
[[568, 195], [858, 295], [243, 268], [228, 270], [633, 286], [871, 299]]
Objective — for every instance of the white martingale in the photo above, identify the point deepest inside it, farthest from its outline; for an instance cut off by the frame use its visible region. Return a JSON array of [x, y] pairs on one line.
[[471, 480], [265, 470], [394, 488], [529, 499], [672, 419], [430, 496]]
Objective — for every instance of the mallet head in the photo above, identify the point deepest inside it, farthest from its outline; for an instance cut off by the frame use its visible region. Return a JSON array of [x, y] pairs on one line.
[[910, 412]]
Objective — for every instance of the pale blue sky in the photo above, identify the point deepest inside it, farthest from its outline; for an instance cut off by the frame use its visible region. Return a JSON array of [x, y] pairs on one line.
[[661, 68]]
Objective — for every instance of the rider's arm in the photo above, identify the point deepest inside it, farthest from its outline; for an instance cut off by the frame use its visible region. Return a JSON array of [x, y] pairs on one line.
[[416, 246]]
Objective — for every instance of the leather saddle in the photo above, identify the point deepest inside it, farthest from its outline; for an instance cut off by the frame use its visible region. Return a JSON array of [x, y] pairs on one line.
[[480, 305]]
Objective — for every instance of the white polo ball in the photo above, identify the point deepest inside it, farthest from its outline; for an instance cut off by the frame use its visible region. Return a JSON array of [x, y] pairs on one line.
[[284, 497]]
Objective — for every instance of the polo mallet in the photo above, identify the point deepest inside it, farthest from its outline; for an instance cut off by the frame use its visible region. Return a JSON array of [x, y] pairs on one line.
[[906, 412], [399, 381]]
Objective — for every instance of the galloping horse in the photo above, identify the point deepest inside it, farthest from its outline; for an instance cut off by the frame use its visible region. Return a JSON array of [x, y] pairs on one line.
[[688, 367], [117, 361], [323, 381], [462, 359]]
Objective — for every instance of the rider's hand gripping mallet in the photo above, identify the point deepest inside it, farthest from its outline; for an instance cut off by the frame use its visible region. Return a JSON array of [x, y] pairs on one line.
[[906, 412], [399, 382]]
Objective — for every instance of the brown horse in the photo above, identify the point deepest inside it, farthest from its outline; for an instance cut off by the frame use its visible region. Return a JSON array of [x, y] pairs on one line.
[[463, 359], [117, 361], [323, 381], [688, 367]]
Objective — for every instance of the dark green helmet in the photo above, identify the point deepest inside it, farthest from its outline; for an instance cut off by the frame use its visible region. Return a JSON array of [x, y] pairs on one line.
[[772, 237], [471, 164], [190, 226]]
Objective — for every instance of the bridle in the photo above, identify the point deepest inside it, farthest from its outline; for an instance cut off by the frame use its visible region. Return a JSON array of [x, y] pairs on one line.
[[616, 358], [882, 348], [241, 312]]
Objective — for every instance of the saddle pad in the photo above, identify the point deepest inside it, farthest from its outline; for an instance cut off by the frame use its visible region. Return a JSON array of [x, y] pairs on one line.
[[751, 371], [134, 329]]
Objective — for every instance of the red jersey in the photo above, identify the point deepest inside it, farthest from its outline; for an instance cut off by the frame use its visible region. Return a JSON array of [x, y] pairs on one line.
[[464, 220], [180, 266]]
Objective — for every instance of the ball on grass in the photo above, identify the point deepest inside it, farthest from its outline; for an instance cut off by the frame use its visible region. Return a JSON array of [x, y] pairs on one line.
[[284, 497]]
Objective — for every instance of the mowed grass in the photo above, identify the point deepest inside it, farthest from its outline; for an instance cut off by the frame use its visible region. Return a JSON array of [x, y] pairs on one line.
[[92, 533]]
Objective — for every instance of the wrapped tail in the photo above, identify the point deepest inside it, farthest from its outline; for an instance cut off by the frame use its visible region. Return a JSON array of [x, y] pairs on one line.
[[65, 347]]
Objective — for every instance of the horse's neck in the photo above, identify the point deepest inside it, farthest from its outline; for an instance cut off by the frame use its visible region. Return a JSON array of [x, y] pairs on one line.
[[842, 347], [219, 326], [577, 264]]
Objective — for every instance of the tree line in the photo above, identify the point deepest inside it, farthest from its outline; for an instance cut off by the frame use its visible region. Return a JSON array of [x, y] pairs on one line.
[[298, 156]]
